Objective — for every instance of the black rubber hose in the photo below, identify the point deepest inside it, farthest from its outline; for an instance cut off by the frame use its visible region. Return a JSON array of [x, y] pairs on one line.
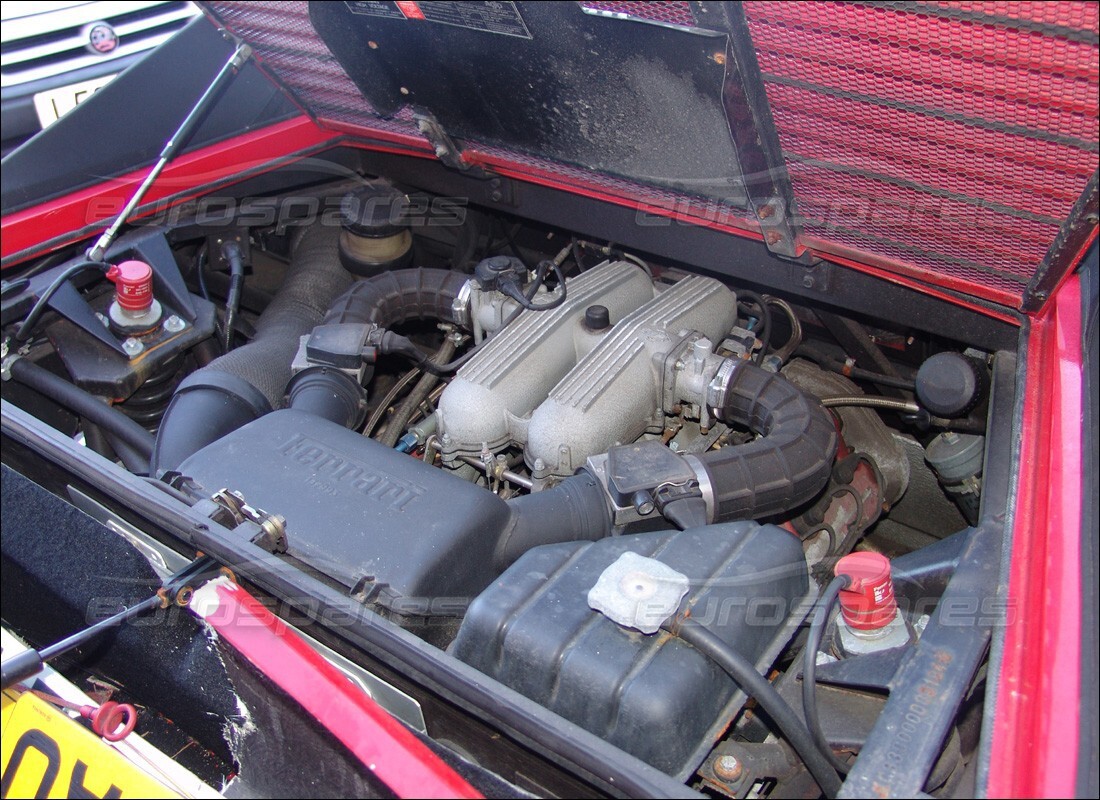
[[790, 462], [330, 394], [757, 686], [834, 365], [248, 382], [411, 351], [400, 295], [395, 429], [809, 669], [130, 458], [574, 510], [110, 419], [112, 448]]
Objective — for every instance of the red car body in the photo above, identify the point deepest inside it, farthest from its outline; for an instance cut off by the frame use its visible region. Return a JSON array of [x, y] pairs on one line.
[[1029, 274]]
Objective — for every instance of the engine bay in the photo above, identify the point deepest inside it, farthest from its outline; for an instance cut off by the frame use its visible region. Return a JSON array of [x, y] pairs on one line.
[[550, 456]]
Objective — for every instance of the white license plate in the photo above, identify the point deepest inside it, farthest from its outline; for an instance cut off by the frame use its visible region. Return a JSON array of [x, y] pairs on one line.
[[54, 104]]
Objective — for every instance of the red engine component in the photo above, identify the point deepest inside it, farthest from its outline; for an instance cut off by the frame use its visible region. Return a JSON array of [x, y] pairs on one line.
[[868, 603], [133, 285]]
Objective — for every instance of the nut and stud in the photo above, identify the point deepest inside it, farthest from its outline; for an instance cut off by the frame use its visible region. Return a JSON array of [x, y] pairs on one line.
[[174, 324], [728, 768], [132, 346]]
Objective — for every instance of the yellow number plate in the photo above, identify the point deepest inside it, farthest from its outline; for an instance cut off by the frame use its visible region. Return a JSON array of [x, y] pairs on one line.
[[47, 754]]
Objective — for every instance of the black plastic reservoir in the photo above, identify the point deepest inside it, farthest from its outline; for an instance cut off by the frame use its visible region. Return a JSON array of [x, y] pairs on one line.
[[649, 694]]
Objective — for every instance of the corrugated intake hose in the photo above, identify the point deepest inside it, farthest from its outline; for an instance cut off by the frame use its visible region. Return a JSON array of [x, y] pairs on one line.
[[790, 462], [398, 296], [787, 466], [248, 382], [574, 510]]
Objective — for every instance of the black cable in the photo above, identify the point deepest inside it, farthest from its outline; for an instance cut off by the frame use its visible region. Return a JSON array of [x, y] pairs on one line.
[[834, 365], [200, 270], [524, 298], [399, 422], [765, 322], [425, 363], [232, 252], [109, 418], [24, 330], [809, 669], [757, 686]]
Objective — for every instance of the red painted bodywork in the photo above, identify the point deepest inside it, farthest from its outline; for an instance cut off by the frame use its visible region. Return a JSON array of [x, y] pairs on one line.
[[1036, 725], [62, 221], [379, 741]]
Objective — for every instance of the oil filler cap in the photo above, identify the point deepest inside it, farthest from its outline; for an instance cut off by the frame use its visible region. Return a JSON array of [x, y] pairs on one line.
[[638, 592], [868, 603]]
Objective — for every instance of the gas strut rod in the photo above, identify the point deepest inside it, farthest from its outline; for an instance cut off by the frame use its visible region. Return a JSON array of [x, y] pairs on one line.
[[179, 138], [177, 589]]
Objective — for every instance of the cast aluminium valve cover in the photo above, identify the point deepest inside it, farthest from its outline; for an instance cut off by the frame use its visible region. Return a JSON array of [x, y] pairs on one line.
[[490, 400]]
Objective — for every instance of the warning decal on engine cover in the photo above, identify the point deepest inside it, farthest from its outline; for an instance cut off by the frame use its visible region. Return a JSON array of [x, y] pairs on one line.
[[490, 17], [375, 8]]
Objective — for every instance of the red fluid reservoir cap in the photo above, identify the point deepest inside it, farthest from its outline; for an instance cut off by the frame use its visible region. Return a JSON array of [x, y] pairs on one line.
[[868, 603], [133, 285]]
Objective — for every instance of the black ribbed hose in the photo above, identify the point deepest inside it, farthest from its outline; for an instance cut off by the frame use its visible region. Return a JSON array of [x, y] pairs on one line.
[[790, 462], [249, 381], [574, 510], [398, 296]]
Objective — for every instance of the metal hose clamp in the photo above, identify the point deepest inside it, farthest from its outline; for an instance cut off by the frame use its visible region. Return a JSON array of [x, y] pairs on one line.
[[719, 386]]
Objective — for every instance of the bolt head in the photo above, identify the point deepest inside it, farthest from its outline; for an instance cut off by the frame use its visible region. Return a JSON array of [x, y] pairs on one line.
[[728, 768], [808, 281]]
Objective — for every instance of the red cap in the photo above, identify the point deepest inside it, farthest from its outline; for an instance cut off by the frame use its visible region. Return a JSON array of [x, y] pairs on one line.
[[133, 285], [868, 603]]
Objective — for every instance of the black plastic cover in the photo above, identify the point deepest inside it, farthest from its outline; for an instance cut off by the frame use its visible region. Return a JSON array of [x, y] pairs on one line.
[[651, 695], [401, 534], [376, 211]]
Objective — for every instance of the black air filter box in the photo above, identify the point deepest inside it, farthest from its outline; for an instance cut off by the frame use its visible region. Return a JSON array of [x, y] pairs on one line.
[[652, 695], [411, 538]]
